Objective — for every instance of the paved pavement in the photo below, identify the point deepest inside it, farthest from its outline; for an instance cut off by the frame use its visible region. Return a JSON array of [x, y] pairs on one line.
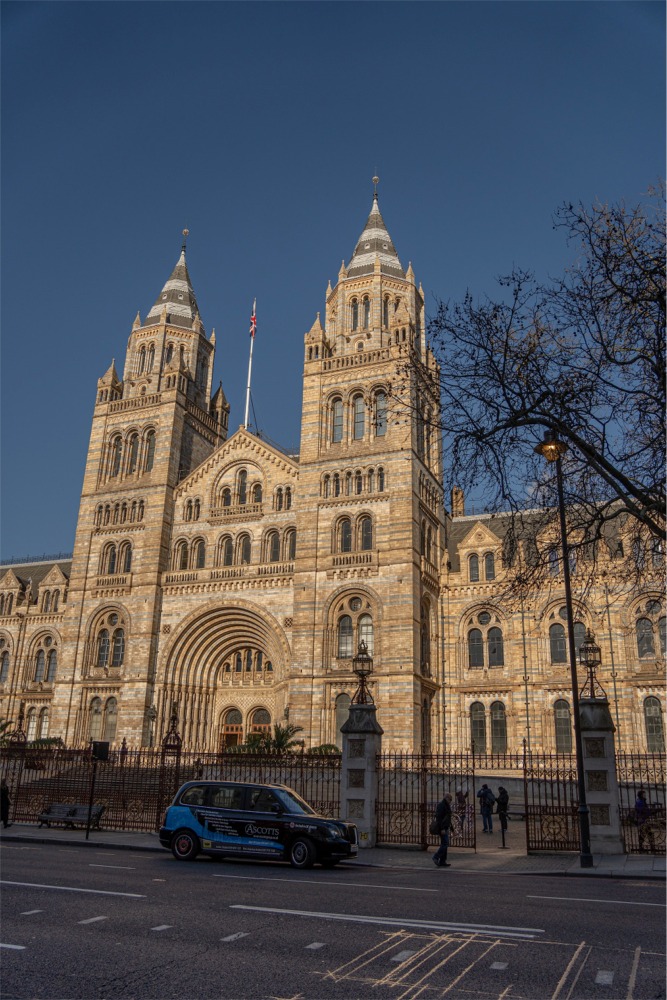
[[490, 856]]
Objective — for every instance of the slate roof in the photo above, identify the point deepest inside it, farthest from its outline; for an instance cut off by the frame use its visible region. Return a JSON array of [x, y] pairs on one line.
[[375, 241], [179, 298], [36, 571]]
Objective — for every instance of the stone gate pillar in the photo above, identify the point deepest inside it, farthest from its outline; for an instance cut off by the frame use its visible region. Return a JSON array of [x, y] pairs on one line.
[[597, 735], [362, 741]]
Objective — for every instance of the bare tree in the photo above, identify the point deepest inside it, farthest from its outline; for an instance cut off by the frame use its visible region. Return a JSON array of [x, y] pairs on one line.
[[582, 358]]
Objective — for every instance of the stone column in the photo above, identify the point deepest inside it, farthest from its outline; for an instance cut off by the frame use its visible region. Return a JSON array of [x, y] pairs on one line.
[[597, 734], [362, 741]]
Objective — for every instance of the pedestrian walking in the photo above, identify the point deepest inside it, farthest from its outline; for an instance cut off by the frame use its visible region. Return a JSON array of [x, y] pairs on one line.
[[443, 816], [503, 800], [487, 800], [5, 803], [642, 816], [461, 806]]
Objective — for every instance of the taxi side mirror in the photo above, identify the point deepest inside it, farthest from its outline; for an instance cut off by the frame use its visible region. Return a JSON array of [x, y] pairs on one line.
[[275, 808]]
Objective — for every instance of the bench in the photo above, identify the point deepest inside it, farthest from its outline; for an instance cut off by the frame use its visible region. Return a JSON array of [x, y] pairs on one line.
[[71, 815]]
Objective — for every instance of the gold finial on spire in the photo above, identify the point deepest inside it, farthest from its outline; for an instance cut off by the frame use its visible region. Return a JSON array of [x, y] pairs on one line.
[[186, 233], [376, 181]]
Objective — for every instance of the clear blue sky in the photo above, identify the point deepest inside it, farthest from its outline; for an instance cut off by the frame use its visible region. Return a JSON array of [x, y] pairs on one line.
[[258, 126]]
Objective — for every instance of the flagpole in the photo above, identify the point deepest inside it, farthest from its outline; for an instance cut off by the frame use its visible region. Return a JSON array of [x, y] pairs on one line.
[[252, 344]]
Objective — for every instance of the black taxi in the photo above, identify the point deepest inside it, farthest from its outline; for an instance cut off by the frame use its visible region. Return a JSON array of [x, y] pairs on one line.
[[253, 821]]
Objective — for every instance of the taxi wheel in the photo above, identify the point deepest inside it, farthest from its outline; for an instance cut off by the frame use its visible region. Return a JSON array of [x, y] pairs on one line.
[[184, 845], [301, 853]]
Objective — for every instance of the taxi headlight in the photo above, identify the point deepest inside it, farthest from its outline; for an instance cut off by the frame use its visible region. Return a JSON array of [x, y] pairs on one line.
[[332, 831]]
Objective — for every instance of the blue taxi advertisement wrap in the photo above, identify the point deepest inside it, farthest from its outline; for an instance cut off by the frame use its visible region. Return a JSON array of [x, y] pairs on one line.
[[226, 818]]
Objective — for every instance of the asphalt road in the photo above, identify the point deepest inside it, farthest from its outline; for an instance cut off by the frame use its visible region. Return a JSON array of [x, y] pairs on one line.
[[78, 924]]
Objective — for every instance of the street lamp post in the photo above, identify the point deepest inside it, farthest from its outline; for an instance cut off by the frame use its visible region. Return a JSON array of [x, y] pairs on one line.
[[552, 450], [362, 664]]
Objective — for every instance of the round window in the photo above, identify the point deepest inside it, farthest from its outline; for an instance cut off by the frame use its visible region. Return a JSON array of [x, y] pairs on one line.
[[652, 607], [113, 619], [563, 614], [48, 641], [355, 604], [484, 618]]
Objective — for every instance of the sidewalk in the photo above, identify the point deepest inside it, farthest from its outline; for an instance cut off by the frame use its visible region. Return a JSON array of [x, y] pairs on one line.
[[489, 857]]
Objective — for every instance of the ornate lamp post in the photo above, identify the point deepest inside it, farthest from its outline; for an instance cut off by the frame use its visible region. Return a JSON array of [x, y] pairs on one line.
[[590, 658], [552, 449], [362, 664]]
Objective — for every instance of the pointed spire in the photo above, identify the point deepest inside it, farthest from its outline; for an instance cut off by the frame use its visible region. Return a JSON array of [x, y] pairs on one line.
[[137, 321], [110, 376], [375, 243], [177, 297]]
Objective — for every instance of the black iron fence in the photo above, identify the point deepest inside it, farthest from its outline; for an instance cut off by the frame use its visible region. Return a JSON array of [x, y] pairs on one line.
[[551, 802], [136, 786], [409, 789], [641, 785]]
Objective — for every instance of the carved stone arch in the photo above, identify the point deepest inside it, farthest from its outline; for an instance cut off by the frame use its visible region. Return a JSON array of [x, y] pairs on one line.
[[350, 590], [477, 608], [209, 635], [553, 606]]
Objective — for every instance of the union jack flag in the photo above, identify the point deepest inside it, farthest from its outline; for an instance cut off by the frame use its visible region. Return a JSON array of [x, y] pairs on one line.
[[253, 320]]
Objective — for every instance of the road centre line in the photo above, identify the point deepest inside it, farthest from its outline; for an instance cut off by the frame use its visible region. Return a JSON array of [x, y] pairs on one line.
[[28, 913], [323, 881], [92, 920], [71, 888], [522, 933], [125, 868], [586, 899], [14, 947], [236, 937]]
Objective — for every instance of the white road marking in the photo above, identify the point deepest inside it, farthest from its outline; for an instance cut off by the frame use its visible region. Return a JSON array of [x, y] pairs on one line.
[[315, 945], [604, 978], [402, 955], [125, 868], [522, 933], [92, 920], [235, 937], [27, 913], [162, 927], [499, 966], [70, 888], [158, 880], [587, 899], [324, 881], [633, 973], [14, 947]]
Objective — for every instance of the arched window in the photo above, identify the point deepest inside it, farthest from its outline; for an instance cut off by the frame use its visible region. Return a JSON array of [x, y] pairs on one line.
[[645, 641], [8, 604], [290, 544], [103, 646], [385, 312], [344, 637], [238, 663], [199, 554], [345, 535], [261, 721], [95, 719], [242, 486], [226, 497], [473, 568], [380, 414], [188, 510], [662, 630], [359, 411], [498, 728], [232, 727], [4, 667], [354, 313], [358, 483], [150, 357], [342, 715], [489, 566], [182, 555], [371, 480], [110, 719], [475, 648], [40, 665], [142, 359], [288, 497], [557, 644], [348, 484], [478, 727], [563, 727], [126, 558], [336, 485], [366, 533], [579, 636], [116, 452], [31, 728], [132, 453], [248, 660], [336, 421], [381, 480], [244, 550], [366, 633], [150, 451], [196, 510], [43, 724], [54, 601], [495, 644], [118, 651], [366, 313], [227, 551], [52, 666], [326, 486], [273, 546], [425, 640], [554, 562], [168, 354], [257, 493], [46, 602], [655, 734]]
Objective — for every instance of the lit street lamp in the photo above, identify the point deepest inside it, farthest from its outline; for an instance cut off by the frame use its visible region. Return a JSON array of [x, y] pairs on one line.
[[552, 449], [362, 664]]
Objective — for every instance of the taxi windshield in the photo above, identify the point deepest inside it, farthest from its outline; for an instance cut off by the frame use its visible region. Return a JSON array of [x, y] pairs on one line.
[[293, 803]]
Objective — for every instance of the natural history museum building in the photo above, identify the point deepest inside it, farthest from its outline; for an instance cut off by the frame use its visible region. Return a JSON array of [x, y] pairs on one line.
[[220, 577]]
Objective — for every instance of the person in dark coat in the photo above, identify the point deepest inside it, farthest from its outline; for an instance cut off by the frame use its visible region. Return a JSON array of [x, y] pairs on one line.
[[5, 802], [486, 803], [503, 800], [443, 815]]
